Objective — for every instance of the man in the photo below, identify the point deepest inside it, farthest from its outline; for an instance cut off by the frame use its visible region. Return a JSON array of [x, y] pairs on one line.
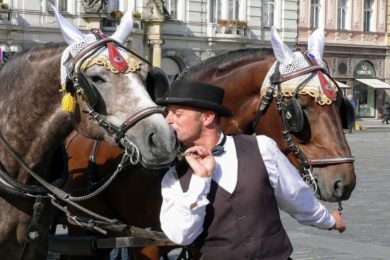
[[385, 110], [224, 195], [353, 103]]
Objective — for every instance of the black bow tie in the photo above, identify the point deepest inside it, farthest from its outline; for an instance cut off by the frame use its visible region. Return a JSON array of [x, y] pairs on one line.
[[218, 149]]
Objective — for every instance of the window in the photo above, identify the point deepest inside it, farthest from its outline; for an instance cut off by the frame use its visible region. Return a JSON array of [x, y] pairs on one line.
[[113, 5], [268, 13], [342, 14], [215, 10], [171, 6], [61, 5], [234, 9], [368, 15], [314, 13]]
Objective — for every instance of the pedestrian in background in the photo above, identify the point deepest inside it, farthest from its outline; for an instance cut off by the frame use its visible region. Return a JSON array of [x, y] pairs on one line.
[[353, 103], [385, 110]]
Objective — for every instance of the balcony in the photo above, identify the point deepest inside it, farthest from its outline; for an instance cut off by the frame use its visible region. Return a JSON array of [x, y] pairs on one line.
[[5, 15], [110, 23], [231, 28]]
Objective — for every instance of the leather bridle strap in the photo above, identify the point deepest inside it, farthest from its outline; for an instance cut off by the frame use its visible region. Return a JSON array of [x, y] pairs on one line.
[[301, 72], [119, 132], [337, 160], [139, 116]]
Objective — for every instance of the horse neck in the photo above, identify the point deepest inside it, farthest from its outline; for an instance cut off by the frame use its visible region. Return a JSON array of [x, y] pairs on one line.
[[31, 117], [242, 81]]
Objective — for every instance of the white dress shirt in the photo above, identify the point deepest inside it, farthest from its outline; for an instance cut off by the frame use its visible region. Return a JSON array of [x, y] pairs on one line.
[[183, 224]]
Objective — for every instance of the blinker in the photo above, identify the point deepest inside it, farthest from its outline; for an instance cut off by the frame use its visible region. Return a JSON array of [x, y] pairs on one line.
[[89, 91]]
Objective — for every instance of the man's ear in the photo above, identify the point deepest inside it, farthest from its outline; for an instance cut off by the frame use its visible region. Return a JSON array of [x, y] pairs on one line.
[[209, 117]]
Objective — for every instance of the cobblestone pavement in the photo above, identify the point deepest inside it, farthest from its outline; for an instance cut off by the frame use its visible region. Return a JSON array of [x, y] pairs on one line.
[[367, 212]]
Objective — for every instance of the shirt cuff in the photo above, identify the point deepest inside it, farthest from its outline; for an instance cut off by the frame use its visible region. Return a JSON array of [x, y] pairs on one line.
[[196, 196], [328, 223]]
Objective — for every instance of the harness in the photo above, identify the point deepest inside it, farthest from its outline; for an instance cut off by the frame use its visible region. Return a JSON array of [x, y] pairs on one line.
[[293, 117], [79, 84]]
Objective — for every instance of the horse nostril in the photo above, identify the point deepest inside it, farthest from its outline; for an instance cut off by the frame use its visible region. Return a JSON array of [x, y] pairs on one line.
[[152, 140], [338, 189]]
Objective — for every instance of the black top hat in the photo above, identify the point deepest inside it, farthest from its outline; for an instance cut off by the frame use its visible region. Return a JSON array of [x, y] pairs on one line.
[[196, 94]]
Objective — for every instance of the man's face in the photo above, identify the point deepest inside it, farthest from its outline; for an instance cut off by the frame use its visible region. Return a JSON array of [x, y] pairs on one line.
[[187, 123]]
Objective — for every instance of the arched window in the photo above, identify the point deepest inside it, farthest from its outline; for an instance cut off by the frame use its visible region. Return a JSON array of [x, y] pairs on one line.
[[268, 13], [315, 13], [368, 15], [342, 14], [170, 67]]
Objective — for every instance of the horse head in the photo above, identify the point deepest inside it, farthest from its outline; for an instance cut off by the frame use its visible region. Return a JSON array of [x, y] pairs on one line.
[[109, 90], [313, 114]]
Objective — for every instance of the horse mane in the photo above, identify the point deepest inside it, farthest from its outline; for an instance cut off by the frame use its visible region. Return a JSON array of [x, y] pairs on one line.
[[226, 59], [19, 63]]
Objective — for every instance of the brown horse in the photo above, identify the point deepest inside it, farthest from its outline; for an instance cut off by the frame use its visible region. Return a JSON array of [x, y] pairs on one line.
[[89, 162], [244, 75], [33, 125], [322, 142]]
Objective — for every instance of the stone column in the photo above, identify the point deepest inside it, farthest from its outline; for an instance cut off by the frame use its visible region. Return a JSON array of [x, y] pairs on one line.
[[155, 41], [156, 52], [154, 19]]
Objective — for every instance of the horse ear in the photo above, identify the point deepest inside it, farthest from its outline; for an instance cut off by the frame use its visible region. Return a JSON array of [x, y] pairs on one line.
[[125, 27], [315, 45], [282, 52], [70, 33]]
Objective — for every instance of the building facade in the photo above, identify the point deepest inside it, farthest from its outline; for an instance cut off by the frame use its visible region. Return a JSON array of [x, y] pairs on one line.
[[172, 34], [356, 48], [199, 29]]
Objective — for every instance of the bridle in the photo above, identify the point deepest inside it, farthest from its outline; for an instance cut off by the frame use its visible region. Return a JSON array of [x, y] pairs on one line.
[[49, 191], [73, 74], [276, 80]]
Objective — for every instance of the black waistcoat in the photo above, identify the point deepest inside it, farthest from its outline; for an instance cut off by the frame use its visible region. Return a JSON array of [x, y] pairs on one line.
[[245, 224]]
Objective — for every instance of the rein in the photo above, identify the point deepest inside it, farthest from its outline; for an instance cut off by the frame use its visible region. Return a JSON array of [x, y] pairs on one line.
[[277, 79], [57, 196]]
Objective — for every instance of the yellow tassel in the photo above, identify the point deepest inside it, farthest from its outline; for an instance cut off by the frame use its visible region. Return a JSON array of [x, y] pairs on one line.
[[68, 103]]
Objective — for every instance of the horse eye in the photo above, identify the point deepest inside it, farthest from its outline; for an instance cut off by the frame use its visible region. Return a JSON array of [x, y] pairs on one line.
[[97, 79]]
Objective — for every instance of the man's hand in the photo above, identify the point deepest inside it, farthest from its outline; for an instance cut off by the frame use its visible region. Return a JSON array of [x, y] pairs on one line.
[[200, 160], [340, 225]]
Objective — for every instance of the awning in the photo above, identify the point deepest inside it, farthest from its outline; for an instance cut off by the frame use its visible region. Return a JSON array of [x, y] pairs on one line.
[[342, 85], [375, 83]]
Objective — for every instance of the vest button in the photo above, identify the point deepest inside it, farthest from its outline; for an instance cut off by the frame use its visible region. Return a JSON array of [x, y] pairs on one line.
[[240, 218], [248, 239]]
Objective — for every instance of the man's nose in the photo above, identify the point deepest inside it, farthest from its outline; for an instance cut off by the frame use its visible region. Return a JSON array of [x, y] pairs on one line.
[[168, 117]]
